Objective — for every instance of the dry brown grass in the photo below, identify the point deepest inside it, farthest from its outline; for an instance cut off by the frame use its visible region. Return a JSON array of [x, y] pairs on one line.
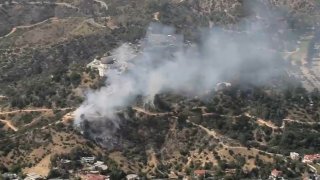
[[60, 145], [244, 152]]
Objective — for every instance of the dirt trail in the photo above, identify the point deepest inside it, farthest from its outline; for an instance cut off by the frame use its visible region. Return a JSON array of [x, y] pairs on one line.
[[90, 21], [141, 110], [103, 4], [210, 132], [54, 3], [263, 122], [300, 122], [223, 139], [11, 32], [273, 126], [208, 114], [296, 121], [14, 128], [94, 23], [267, 123], [10, 125], [26, 26], [32, 110], [48, 3]]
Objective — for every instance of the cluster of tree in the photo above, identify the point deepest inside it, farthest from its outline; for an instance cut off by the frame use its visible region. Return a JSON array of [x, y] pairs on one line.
[[53, 91], [273, 105], [299, 138]]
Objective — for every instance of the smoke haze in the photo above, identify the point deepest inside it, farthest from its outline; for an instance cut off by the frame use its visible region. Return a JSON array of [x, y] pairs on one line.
[[166, 64]]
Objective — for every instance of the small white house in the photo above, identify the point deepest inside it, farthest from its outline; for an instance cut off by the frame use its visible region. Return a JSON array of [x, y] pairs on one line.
[[294, 155], [88, 159], [100, 165], [97, 64], [33, 176], [132, 177]]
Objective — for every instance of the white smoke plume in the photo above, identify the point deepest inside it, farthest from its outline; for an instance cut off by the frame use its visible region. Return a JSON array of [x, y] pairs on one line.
[[166, 64]]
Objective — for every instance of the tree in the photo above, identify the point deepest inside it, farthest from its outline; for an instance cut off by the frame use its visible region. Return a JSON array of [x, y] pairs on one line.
[[75, 78]]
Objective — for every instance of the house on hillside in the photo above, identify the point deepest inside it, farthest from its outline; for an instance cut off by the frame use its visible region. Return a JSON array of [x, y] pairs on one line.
[[9, 176], [222, 85], [99, 165], [275, 175], [89, 160], [132, 177], [108, 60], [230, 171], [309, 158], [95, 177], [199, 173], [33, 176], [97, 64], [294, 156]]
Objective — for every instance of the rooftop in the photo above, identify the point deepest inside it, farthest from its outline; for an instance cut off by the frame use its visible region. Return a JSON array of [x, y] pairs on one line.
[[276, 173], [95, 177], [311, 157], [199, 172], [132, 176]]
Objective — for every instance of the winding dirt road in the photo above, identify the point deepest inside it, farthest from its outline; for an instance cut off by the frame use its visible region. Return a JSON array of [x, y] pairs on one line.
[[67, 5], [33, 110], [26, 26], [94, 23], [103, 4], [14, 128], [223, 139], [10, 125], [90, 21], [296, 121], [141, 110], [54, 3]]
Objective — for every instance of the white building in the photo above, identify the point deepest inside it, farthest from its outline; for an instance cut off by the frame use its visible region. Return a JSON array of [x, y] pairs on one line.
[[222, 85], [33, 176], [294, 155], [9, 176], [97, 64], [132, 177], [88, 159], [100, 165]]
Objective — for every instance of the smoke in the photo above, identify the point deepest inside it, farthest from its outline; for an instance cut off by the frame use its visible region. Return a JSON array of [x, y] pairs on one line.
[[165, 63]]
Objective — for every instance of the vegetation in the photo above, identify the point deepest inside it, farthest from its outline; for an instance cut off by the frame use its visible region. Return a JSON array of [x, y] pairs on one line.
[[37, 72]]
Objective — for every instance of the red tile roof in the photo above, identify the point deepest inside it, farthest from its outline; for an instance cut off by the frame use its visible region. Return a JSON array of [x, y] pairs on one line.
[[276, 173], [311, 157], [199, 172], [94, 177]]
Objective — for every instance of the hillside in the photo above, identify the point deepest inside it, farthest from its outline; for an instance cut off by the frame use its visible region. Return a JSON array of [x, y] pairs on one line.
[[240, 131]]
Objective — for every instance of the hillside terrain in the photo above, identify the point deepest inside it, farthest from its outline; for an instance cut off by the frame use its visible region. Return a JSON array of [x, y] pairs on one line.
[[239, 130]]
